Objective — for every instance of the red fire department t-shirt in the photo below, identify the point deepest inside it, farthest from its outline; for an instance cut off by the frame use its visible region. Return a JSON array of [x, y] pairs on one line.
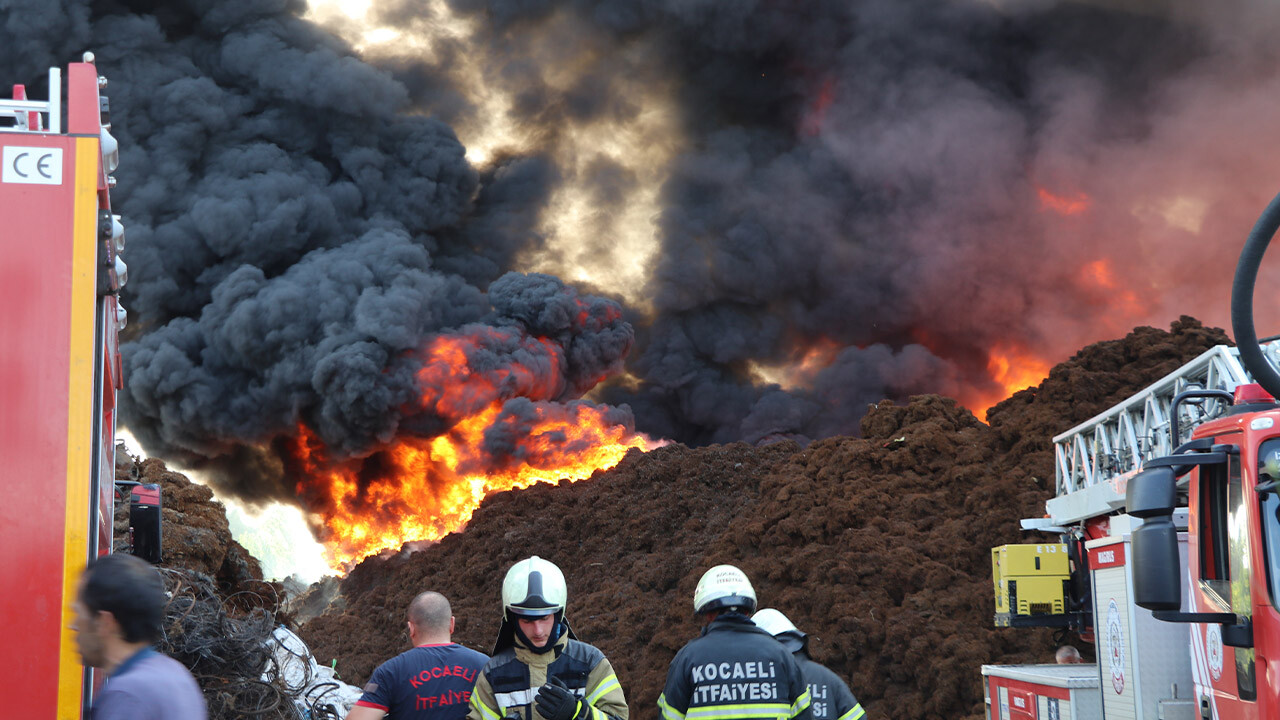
[[429, 682]]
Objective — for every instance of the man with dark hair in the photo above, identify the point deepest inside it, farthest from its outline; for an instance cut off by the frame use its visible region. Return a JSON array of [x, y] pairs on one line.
[[433, 680], [119, 610]]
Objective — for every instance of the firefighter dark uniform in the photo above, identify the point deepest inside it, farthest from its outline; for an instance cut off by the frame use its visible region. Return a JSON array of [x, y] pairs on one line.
[[734, 671], [831, 697]]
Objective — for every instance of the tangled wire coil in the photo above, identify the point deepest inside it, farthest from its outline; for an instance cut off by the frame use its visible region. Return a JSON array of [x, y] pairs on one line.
[[230, 647]]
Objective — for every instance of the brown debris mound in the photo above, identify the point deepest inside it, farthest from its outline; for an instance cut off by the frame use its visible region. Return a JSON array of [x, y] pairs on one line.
[[194, 531], [878, 547]]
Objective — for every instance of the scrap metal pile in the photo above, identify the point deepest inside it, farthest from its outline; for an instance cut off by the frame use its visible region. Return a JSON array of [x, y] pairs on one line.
[[222, 620]]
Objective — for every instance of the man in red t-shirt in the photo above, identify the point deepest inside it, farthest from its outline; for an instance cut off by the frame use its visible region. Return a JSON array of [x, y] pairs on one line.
[[433, 681]]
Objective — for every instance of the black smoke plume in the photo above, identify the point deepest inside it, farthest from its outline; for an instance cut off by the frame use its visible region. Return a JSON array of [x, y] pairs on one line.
[[898, 177], [295, 236], [890, 178]]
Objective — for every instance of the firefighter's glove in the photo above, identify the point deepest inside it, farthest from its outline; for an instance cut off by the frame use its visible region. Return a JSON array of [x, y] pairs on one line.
[[557, 702]]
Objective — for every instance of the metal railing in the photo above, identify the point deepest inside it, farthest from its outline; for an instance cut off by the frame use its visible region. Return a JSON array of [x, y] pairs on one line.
[[1122, 438], [22, 109]]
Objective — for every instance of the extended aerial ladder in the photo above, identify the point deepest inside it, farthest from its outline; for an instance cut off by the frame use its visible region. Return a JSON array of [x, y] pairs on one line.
[[1093, 460]]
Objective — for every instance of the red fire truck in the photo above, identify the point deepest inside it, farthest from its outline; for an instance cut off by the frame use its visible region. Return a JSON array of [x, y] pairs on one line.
[[60, 275], [1168, 509]]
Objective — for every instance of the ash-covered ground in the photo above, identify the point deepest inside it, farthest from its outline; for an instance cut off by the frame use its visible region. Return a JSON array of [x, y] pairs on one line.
[[877, 546]]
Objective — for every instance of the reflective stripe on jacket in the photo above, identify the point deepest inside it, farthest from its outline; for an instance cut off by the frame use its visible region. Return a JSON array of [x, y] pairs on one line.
[[734, 671], [831, 698]]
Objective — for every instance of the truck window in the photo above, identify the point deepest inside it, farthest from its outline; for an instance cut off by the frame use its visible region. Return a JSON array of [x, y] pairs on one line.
[[1225, 569], [1269, 513], [1241, 572], [1215, 568]]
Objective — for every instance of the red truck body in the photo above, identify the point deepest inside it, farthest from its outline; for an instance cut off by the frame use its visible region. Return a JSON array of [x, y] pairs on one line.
[[60, 371]]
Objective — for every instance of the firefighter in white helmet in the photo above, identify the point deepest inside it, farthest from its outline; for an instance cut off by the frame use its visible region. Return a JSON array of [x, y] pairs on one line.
[[734, 670], [831, 697], [538, 669]]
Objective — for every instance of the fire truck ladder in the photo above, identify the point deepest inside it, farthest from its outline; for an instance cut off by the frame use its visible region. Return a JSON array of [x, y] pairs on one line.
[[1094, 460], [26, 114]]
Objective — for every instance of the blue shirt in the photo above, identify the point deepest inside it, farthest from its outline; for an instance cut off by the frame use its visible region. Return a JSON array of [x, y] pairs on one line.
[[150, 686], [429, 682]]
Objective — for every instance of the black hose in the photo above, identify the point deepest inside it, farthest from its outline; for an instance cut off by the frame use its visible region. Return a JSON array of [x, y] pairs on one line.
[[1242, 299]]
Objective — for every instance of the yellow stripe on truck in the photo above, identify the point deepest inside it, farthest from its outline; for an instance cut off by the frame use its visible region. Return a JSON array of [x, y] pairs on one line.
[[80, 398]]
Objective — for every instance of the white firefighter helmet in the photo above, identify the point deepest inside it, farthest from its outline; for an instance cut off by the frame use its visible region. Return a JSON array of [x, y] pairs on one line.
[[534, 587], [724, 586], [778, 625], [773, 622]]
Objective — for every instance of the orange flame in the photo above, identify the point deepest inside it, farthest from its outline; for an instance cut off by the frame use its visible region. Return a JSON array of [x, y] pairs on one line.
[[1016, 369], [424, 489], [817, 358], [1121, 300], [1013, 368], [818, 354], [502, 431], [1098, 272], [1063, 205], [455, 390]]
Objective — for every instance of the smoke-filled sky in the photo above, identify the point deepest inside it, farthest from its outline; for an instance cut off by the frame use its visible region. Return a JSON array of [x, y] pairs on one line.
[[697, 199], [901, 187]]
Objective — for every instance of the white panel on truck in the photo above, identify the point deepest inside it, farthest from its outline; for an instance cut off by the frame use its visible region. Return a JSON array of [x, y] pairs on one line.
[[1061, 692], [1142, 661]]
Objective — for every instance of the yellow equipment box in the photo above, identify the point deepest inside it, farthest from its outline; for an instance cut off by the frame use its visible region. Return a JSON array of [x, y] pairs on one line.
[[1030, 583]]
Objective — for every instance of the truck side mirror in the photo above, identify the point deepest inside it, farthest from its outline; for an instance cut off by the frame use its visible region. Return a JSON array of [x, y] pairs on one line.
[[1152, 493], [1152, 496]]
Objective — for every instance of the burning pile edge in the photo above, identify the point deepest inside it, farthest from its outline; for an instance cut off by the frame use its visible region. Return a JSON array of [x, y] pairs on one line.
[[877, 546]]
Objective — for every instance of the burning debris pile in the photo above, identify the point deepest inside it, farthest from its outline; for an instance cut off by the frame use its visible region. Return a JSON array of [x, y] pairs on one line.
[[877, 546], [481, 406]]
